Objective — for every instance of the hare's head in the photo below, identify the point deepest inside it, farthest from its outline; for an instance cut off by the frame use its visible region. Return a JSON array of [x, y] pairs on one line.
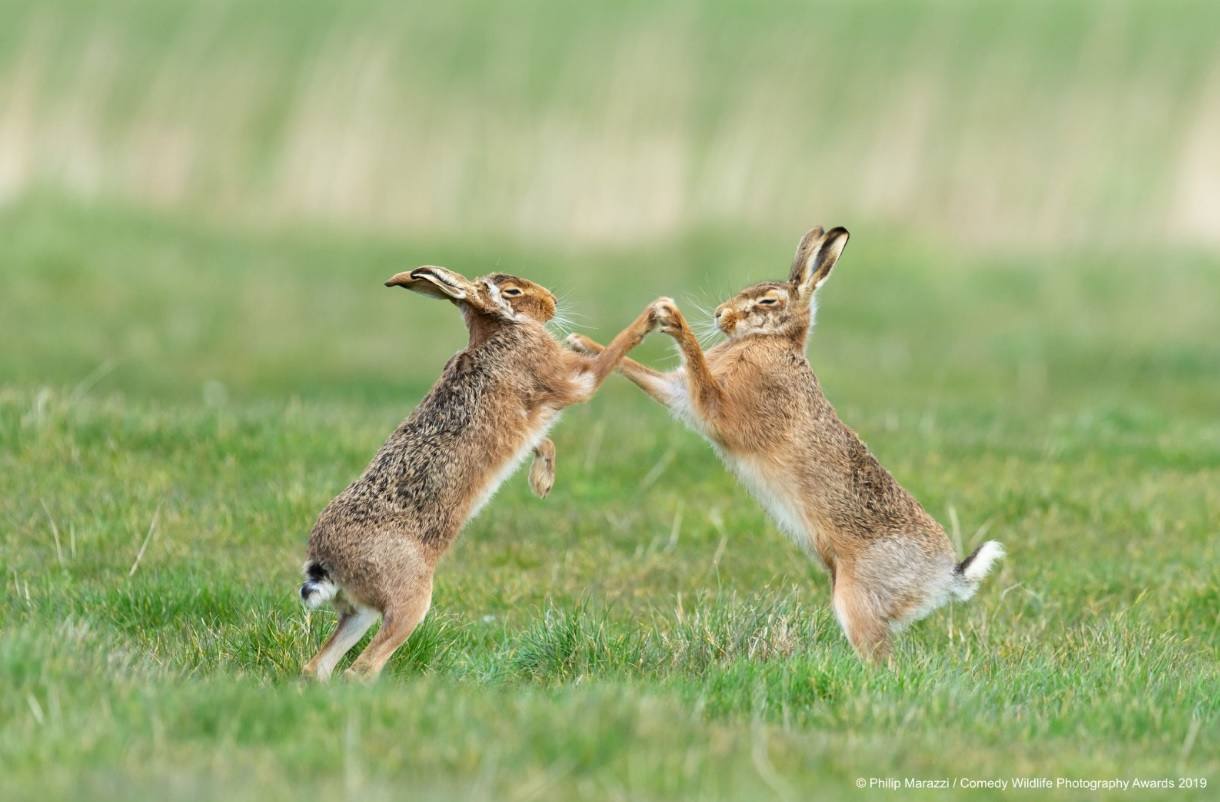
[[520, 297], [787, 308], [499, 295]]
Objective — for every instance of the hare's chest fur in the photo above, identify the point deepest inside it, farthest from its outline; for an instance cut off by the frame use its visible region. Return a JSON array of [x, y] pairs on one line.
[[680, 407], [773, 492], [769, 486]]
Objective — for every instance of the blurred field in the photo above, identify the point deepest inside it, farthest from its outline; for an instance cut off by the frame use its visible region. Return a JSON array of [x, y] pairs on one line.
[[971, 122], [200, 203]]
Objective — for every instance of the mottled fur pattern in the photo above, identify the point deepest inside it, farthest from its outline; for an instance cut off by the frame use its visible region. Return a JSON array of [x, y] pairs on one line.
[[375, 547], [756, 399]]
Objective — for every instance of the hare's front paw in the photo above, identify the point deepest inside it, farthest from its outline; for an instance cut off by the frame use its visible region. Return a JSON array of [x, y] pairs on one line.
[[580, 344], [665, 315], [542, 476]]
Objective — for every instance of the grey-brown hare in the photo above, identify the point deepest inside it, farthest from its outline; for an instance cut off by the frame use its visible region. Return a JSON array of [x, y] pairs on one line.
[[375, 547], [757, 401]]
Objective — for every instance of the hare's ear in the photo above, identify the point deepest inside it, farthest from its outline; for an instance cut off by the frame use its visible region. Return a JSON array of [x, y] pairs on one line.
[[815, 258], [807, 245], [439, 282]]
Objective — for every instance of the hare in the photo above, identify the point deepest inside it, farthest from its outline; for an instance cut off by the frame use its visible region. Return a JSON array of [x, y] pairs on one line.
[[375, 547], [757, 401]]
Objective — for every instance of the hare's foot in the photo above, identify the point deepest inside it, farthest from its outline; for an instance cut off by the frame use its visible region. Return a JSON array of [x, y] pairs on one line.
[[397, 624], [353, 623]]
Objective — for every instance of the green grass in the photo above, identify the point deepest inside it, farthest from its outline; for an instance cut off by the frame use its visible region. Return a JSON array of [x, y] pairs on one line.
[[645, 632]]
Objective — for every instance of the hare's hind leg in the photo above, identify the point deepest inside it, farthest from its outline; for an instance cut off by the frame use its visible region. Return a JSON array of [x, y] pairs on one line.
[[862, 622], [397, 624], [354, 621]]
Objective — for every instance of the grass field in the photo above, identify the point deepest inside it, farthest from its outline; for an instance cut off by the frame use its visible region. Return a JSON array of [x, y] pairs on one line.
[[180, 401], [199, 202]]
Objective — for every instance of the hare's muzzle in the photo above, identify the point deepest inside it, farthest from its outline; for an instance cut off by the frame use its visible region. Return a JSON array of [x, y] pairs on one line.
[[726, 320]]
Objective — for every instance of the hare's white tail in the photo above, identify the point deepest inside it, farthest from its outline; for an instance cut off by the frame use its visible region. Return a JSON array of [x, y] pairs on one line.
[[970, 572], [318, 587]]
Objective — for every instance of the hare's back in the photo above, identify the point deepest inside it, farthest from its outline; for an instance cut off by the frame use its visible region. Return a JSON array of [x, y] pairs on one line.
[[428, 470]]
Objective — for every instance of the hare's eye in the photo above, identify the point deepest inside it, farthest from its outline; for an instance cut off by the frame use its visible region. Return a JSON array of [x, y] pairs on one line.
[[512, 292], [768, 302]]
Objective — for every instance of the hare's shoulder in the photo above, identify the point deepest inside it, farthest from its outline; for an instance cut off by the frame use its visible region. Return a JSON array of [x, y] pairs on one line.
[[765, 371]]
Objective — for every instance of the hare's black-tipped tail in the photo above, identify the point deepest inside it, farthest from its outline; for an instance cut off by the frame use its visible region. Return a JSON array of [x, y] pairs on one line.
[[970, 572], [318, 587]]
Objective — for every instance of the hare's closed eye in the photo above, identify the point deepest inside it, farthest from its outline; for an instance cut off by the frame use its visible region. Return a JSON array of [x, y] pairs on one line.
[[511, 292], [768, 302]]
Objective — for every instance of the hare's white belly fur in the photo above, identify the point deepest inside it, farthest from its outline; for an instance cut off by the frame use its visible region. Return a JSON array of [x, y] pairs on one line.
[[783, 506]]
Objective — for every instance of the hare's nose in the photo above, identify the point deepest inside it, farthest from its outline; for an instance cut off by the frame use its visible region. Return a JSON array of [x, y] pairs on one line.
[[719, 313]]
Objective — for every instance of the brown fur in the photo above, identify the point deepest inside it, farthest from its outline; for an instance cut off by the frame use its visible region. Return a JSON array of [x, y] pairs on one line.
[[756, 399], [376, 545]]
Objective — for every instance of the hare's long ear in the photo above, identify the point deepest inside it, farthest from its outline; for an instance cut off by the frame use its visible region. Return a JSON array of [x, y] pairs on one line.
[[815, 258], [804, 250], [438, 282]]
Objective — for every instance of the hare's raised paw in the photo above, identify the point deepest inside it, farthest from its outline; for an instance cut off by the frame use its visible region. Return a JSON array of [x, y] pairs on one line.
[[542, 470], [665, 315]]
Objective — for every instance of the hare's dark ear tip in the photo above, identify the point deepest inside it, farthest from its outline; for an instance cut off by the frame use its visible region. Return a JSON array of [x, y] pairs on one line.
[[838, 231], [400, 279]]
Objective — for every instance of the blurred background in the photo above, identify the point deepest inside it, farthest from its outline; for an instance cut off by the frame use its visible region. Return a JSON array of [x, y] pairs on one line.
[[988, 124], [216, 188]]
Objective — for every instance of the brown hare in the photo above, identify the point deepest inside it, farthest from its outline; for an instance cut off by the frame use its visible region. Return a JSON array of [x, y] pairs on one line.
[[756, 399], [375, 547]]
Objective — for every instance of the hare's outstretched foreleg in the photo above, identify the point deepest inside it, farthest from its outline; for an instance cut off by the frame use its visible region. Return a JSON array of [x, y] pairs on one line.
[[658, 385], [353, 623], [397, 624], [662, 387], [705, 392], [664, 314], [602, 364]]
